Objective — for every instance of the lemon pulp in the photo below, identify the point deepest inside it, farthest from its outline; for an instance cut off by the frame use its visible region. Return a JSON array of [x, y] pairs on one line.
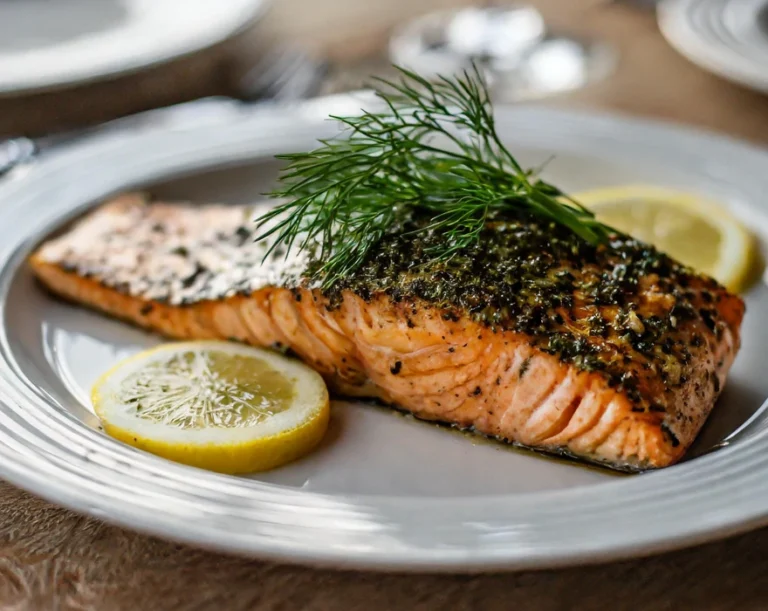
[[206, 388], [214, 405]]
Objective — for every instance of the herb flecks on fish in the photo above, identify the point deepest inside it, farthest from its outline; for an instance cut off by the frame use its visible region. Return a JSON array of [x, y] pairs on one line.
[[433, 153], [606, 308]]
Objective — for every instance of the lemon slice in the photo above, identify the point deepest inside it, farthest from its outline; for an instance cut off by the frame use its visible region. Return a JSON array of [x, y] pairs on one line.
[[215, 405], [696, 232]]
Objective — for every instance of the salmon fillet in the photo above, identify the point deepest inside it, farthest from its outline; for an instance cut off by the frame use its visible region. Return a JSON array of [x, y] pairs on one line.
[[611, 355]]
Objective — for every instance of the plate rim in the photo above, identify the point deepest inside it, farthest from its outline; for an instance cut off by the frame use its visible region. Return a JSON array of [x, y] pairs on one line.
[[249, 12], [719, 60], [381, 533]]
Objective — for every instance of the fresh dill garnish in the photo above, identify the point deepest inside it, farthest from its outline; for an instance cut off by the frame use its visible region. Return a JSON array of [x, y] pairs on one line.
[[434, 151]]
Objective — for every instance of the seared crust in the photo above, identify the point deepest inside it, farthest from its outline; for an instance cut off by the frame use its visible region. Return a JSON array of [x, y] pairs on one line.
[[403, 351]]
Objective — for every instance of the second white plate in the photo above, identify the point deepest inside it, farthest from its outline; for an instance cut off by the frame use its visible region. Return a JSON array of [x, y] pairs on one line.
[[726, 37]]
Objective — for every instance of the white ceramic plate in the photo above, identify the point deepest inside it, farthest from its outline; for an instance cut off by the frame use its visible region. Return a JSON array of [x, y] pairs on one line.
[[46, 44], [383, 491], [726, 37]]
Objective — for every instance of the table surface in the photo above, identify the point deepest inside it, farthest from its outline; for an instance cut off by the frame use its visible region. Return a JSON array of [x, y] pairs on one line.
[[51, 558]]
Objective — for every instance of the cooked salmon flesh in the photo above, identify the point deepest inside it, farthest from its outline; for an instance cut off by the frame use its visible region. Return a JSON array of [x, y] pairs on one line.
[[612, 354]]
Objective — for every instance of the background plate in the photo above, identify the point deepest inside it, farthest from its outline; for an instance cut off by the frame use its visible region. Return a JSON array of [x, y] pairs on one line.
[[46, 44], [384, 491], [726, 37]]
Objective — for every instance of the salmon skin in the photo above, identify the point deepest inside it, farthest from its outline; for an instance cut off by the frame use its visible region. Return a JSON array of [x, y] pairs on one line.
[[612, 354]]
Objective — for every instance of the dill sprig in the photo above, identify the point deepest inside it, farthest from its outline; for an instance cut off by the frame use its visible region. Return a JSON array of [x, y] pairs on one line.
[[434, 151]]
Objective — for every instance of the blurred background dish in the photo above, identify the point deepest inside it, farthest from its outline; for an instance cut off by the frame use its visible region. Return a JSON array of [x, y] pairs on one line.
[[445, 43], [521, 57], [726, 37], [45, 45]]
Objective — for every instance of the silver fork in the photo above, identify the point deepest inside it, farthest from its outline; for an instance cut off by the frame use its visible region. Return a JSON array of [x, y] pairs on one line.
[[281, 75]]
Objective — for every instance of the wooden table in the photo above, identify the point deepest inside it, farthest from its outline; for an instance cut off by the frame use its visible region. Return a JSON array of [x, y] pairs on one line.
[[51, 558]]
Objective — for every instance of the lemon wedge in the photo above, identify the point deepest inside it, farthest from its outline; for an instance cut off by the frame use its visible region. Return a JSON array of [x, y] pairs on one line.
[[695, 231], [215, 405]]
